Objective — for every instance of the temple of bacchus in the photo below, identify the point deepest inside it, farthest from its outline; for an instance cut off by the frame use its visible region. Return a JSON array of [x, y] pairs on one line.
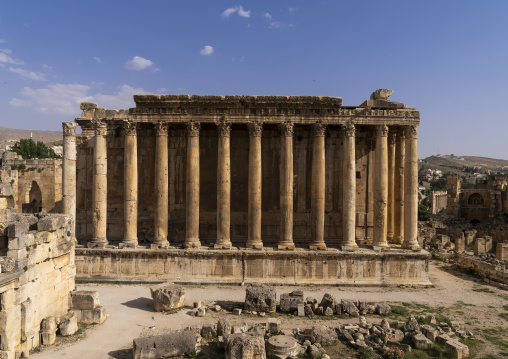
[[222, 178]]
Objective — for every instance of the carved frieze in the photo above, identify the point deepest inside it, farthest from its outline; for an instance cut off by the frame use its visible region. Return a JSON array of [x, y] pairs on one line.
[[193, 129], [69, 128]]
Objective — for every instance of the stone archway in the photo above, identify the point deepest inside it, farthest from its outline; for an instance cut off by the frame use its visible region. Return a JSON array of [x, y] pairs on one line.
[[476, 199], [34, 204]]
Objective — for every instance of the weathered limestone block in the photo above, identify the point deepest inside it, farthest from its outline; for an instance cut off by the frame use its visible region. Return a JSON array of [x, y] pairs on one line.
[[163, 346], [479, 247], [244, 346], [260, 298], [349, 307], [501, 252], [84, 300], [7, 264], [456, 349], [469, 235], [289, 302], [17, 230], [323, 335], [273, 325], [328, 301], [97, 315], [52, 222], [208, 330], [223, 327], [488, 244], [411, 325], [68, 324], [282, 346], [49, 328], [167, 297], [366, 307], [422, 342], [460, 244]]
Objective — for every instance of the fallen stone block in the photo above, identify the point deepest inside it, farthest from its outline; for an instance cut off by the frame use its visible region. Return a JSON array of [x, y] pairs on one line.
[[237, 311], [289, 301], [456, 350], [308, 310], [282, 346], [323, 335], [201, 312], [411, 325], [244, 346], [223, 327], [208, 330], [49, 328], [328, 301], [301, 310], [68, 324], [422, 342], [260, 298], [97, 315], [167, 297], [366, 307], [383, 308], [273, 325], [349, 307], [166, 345], [84, 300]]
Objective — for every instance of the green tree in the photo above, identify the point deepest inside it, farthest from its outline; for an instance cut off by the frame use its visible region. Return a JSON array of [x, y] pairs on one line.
[[424, 213], [28, 149]]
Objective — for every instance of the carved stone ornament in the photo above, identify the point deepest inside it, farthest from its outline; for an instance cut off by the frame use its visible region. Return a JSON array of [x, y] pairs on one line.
[[392, 138], [411, 132], [401, 135], [255, 129], [193, 129], [286, 129], [349, 129], [69, 128], [161, 128], [224, 128], [101, 127], [318, 129], [381, 131], [129, 128]]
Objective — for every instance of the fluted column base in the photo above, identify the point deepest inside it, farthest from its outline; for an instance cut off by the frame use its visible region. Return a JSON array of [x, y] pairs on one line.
[[317, 246], [254, 245], [286, 246], [226, 245]]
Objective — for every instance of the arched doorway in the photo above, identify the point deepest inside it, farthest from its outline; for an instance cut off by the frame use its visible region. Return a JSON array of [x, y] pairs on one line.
[[475, 199], [34, 204]]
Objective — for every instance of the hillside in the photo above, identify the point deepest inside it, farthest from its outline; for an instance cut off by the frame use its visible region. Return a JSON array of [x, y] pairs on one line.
[[7, 134], [456, 164]]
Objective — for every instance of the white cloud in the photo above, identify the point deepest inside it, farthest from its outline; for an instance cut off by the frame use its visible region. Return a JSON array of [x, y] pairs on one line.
[[37, 76], [138, 63], [267, 16], [5, 58], [207, 50], [97, 59], [292, 10], [238, 9], [64, 99], [47, 67], [243, 13], [274, 25], [161, 90], [229, 11], [155, 69]]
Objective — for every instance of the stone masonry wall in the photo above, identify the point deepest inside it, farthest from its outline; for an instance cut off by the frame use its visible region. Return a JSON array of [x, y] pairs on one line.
[[37, 275]]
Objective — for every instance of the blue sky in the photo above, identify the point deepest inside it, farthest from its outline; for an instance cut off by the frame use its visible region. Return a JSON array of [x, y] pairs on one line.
[[447, 58]]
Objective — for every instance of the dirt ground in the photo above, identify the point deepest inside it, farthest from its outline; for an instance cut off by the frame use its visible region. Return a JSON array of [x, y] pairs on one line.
[[455, 295]]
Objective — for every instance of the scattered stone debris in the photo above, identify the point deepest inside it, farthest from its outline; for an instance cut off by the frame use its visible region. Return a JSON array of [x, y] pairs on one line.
[[167, 297], [164, 346], [260, 298]]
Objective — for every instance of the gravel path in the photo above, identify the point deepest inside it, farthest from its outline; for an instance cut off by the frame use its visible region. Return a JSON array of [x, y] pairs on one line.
[[130, 310]]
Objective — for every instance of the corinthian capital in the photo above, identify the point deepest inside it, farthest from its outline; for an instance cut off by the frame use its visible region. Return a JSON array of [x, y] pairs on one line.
[[381, 131], [349, 129], [161, 128], [255, 129], [224, 128], [101, 127], [69, 128], [318, 129], [129, 128], [193, 129], [286, 129], [411, 132]]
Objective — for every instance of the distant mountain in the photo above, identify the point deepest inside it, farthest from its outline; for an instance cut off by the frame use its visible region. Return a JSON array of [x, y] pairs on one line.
[[7, 134], [455, 164]]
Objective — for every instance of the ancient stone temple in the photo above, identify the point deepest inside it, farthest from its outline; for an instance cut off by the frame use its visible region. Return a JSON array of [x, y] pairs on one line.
[[251, 172]]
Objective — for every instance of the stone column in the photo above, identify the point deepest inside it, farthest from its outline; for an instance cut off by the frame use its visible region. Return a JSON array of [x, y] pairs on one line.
[[400, 151], [348, 241], [192, 187], [286, 187], [254, 213], [69, 171], [411, 191], [318, 188], [223, 186], [161, 209], [100, 183], [381, 187], [391, 185], [130, 160]]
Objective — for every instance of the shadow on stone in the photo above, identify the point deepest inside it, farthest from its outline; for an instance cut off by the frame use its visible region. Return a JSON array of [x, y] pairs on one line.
[[121, 354], [142, 303]]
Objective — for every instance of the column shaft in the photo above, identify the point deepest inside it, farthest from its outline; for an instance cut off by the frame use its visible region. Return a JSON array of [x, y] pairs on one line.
[[400, 151], [391, 185], [318, 188], [411, 191], [254, 212], [130, 238], [161, 186], [192, 187], [69, 171], [286, 187], [381, 187], [348, 241], [223, 187], [100, 192]]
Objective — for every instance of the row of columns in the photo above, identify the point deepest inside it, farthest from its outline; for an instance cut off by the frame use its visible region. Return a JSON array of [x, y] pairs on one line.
[[395, 187]]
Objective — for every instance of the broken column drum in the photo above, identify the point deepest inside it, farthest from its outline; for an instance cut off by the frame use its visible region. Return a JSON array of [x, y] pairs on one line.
[[245, 171]]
